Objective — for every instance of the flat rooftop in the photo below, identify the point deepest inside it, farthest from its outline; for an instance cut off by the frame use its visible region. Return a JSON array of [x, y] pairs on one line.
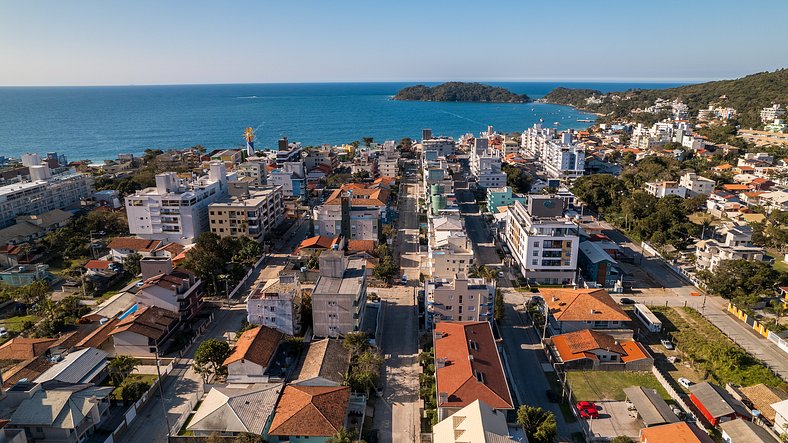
[[349, 283]]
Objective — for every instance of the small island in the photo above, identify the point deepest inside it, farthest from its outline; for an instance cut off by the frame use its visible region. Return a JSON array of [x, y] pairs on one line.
[[460, 92]]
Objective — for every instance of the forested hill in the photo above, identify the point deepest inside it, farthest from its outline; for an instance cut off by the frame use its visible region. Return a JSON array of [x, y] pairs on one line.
[[747, 95], [460, 92]]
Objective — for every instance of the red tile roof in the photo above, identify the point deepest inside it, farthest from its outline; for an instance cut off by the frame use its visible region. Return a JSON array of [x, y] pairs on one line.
[[98, 264], [582, 305], [580, 344], [151, 321], [361, 245], [256, 345], [319, 242], [20, 348], [134, 243], [472, 369], [680, 432], [313, 411]]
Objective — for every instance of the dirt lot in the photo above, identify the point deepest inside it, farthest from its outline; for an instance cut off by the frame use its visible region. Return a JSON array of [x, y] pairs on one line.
[[614, 420]]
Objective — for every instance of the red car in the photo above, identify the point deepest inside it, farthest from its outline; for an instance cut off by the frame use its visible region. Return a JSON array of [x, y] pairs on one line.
[[587, 409]]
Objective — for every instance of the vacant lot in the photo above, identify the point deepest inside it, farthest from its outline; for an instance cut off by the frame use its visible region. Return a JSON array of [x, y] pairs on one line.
[[716, 357], [609, 385], [16, 324]]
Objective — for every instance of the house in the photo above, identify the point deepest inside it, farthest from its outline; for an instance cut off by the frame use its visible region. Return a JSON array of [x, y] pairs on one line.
[[22, 348], [252, 354], [468, 368], [235, 409], [780, 417], [681, 432], [665, 188], [143, 330], [87, 365], [318, 244], [121, 247], [475, 423], [577, 309], [742, 431], [307, 414], [65, 414], [716, 404], [696, 184], [276, 303], [166, 287], [23, 275], [650, 408], [587, 349], [325, 363], [737, 245], [762, 397], [94, 267]]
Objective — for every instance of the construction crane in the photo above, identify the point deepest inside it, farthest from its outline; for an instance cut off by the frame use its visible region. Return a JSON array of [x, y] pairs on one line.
[[249, 136]]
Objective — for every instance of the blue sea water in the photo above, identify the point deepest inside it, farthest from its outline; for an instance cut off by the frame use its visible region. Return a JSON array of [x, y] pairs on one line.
[[98, 123]]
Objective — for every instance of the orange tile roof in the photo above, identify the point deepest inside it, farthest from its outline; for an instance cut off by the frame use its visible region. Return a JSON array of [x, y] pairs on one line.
[[135, 244], [361, 245], [582, 305], [360, 195], [464, 363], [98, 337], [256, 345], [680, 432], [20, 348], [723, 167], [313, 411], [318, 241], [734, 187], [97, 264], [150, 321], [579, 344]]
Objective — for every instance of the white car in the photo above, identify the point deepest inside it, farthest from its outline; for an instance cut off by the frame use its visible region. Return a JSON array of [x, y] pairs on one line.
[[667, 344], [500, 274], [685, 382], [3, 332]]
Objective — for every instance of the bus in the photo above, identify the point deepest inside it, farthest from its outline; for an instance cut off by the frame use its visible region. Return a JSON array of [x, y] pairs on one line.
[[648, 318]]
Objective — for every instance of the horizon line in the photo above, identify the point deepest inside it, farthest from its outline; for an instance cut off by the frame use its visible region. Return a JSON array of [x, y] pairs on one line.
[[532, 80]]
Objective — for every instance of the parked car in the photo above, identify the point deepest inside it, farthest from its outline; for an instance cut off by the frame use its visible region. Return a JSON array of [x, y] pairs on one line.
[[500, 274], [685, 382], [587, 409], [627, 301], [552, 397], [3, 332], [667, 344]]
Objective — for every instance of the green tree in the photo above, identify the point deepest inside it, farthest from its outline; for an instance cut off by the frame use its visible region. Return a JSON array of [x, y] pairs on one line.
[[33, 293], [539, 425], [622, 439], [601, 192], [366, 371], [356, 343], [249, 251], [206, 258], [120, 367], [732, 277], [344, 436], [133, 390], [131, 263], [518, 179], [210, 356], [499, 308]]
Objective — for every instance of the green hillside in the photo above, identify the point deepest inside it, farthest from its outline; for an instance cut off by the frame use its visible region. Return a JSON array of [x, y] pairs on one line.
[[460, 92]]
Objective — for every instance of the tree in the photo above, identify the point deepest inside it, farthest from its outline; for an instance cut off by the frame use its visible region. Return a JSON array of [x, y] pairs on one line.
[[498, 307], [206, 257], [249, 252], [518, 179], [210, 356], [732, 277], [539, 425], [344, 436], [120, 367], [33, 293], [355, 343], [367, 141], [131, 263], [133, 390], [622, 439], [601, 192]]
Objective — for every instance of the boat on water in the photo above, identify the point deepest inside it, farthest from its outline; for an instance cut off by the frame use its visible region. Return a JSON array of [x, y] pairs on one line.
[[584, 120], [556, 123]]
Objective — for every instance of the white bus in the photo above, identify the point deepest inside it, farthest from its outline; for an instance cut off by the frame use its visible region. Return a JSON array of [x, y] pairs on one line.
[[648, 318]]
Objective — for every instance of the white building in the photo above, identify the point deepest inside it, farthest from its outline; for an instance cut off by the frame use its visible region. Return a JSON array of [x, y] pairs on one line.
[[354, 213], [780, 417], [388, 167], [486, 165], [255, 168], [475, 423], [544, 242], [458, 298], [771, 113], [664, 188], [450, 250], [737, 245], [291, 176], [559, 154], [276, 304], [440, 146], [176, 210], [339, 299], [696, 184], [42, 193]]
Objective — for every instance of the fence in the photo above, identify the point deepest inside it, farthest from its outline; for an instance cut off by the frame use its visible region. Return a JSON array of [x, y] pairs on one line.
[[758, 327], [663, 380], [197, 333], [242, 284]]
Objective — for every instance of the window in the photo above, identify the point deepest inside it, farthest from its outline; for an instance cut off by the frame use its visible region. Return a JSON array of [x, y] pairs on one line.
[[536, 244], [535, 261]]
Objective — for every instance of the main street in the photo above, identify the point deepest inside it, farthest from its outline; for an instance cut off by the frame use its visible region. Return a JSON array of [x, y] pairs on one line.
[[397, 412]]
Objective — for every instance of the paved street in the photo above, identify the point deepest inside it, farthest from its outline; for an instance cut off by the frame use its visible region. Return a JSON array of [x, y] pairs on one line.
[[525, 361], [477, 229], [397, 413]]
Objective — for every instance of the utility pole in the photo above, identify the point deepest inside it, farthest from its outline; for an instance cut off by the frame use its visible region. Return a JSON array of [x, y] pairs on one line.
[[161, 392]]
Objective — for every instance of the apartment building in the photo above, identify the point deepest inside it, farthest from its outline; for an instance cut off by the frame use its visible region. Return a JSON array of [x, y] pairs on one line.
[[561, 157], [449, 249], [43, 192], [440, 146], [176, 209], [388, 167], [317, 157], [276, 304], [497, 197], [254, 168], [288, 152], [543, 240], [771, 113], [664, 188], [340, 295], [458, 298], [696, 184], [736, 245], [291, 176], [486, 165], [168, 288], [353, 212], [252, 215]]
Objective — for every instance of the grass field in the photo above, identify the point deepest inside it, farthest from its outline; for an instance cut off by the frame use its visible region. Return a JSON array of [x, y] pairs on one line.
[[15, 324], [609, 385]]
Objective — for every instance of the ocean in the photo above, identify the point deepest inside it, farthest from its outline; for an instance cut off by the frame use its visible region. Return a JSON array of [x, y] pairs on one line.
[[97, 123]]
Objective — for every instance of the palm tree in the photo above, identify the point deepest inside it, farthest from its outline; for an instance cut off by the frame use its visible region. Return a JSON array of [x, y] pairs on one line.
[[539, 425], [120, 366], [344, 436], [25, 249]]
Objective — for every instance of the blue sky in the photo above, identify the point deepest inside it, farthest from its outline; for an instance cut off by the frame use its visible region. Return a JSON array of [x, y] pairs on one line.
[[92, 42]]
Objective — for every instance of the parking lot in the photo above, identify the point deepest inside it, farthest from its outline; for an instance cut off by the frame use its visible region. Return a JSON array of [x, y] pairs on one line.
[[614, 420]]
